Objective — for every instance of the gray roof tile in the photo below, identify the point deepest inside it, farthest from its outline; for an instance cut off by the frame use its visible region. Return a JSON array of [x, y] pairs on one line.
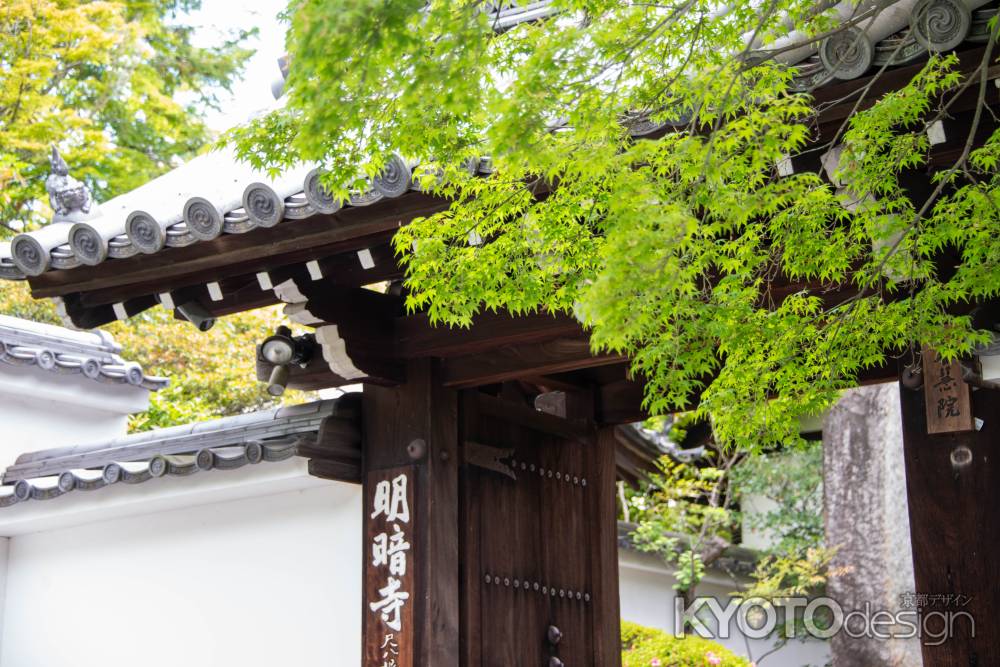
[[58, 350], [221, 444]]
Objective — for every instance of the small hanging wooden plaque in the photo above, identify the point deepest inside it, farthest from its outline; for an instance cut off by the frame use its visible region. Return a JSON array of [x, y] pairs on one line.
[[947, 396]]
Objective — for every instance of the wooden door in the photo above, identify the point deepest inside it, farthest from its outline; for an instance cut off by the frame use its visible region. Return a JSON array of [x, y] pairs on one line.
[[540, 583]]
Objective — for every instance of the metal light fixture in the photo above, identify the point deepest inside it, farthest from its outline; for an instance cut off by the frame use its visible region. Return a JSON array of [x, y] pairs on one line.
[[278, 381], [196, 314], [281, 351]]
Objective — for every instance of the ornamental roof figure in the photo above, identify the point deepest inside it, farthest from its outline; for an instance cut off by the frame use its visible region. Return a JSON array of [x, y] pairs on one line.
[[71, 200]]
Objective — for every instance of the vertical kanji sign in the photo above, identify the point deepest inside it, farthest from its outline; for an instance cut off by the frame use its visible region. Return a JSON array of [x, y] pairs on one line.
[[389, 568], [948, 397]]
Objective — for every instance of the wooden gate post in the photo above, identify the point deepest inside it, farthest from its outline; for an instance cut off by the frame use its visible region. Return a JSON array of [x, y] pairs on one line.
[[953, 490], [607, 615], [411, 566]]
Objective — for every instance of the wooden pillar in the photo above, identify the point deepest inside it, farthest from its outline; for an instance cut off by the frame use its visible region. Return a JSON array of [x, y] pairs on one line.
[[411, 431], [953, 489], [607, 614]]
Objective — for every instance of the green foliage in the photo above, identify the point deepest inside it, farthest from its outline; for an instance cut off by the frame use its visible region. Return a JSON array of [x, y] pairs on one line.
[[802, 573], [211, 373], [102, 81], [685, 515], [791, 575], [643, 647], [793, 481], [685, 518], [668, 249]]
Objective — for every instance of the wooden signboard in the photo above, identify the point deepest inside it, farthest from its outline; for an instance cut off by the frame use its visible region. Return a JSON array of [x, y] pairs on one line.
[[948, 398], [390, 597]]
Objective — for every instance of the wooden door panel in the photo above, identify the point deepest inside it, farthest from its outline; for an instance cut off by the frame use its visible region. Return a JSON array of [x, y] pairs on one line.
[[529, 560]]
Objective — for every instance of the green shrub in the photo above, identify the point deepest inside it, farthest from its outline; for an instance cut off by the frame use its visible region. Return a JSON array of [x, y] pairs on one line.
[[646, 647]]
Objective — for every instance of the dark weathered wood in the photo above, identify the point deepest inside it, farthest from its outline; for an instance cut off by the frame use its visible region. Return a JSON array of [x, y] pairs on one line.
[[335, 303], [530, 556], [953, 486], [604, 564], [390, 631], [515, 361], [947, 397], [470, 543], [416, 337], [336, 471], [394, 418], [620, 402], [528, 417], [839, 100]]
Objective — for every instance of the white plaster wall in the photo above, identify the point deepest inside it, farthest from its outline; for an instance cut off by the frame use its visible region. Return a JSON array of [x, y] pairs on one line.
[[40, 409], [260, 581], [4, 549], [647, 598], [754, 506]]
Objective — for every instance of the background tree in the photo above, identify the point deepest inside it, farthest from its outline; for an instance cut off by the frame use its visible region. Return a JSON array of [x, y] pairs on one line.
[[122, 90], [104, 81], [668, 249], [700, 505]]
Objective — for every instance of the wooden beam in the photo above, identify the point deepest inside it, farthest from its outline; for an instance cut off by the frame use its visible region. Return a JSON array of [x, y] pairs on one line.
[[515, 361], [620, 402], [416, 337], [836, 102], [335, 303]]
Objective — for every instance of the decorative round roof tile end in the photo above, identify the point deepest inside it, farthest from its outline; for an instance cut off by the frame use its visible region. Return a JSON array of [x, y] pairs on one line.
[[112, 473], [940, 25], [318, 196], [134, 375], [263, 205], [204, 221], [394, 181], [847, 54], [45, 360], [67, 482], [87, 244], [29, 255], [145, 233], [254, 452], [158, 466], [205, 460], [22, 490]]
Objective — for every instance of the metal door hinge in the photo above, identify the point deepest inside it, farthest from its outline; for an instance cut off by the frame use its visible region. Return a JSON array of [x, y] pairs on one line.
[[490, 458]]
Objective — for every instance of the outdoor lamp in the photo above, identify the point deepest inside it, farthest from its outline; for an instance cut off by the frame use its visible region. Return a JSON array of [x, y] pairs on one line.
[[278, 381], [196, 314], [281, 351]]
